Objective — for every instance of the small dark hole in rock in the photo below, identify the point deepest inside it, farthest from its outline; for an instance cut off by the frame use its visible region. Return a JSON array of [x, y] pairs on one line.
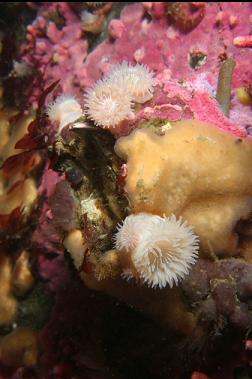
[[197, 59]]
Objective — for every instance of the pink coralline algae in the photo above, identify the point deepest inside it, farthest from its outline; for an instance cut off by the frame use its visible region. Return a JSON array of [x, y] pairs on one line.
[[196, 65], [163, 41], [116, 29], [56, 50], [61, 52]]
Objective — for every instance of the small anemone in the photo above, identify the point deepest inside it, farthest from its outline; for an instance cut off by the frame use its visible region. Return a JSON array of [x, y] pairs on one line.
[[107, 106], [160, 250], [137, 80], [64, 110]]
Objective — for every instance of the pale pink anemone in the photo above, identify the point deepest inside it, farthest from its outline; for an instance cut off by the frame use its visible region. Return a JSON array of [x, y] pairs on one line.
[[107, 106], [137, 80], [161, 250]]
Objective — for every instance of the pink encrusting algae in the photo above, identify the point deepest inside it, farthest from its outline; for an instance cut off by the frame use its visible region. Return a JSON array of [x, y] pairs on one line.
[[56, 51], [62, 53]]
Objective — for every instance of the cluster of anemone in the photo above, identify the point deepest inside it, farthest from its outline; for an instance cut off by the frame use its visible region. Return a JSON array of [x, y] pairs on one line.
[[157, 251], [110, 100]]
